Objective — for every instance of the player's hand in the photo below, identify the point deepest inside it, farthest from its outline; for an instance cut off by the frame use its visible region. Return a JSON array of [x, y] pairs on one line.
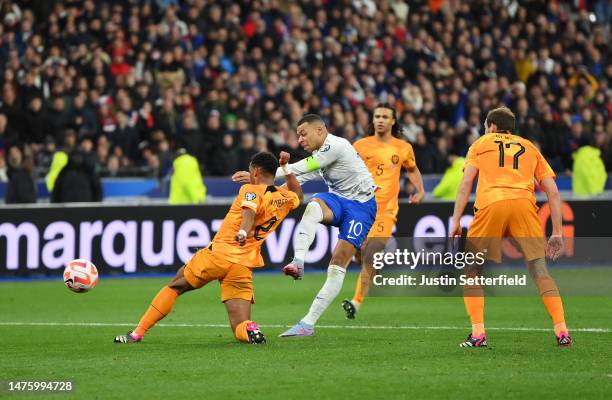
[[416, 198], [554, 248], [283, 158], [241, 237], [241, 177], [455, 229]]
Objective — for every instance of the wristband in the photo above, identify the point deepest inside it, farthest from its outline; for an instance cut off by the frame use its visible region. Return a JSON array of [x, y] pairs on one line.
[[242, 232], [286, 169]]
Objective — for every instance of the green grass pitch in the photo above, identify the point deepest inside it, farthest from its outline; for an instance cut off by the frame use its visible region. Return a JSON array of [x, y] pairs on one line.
[[382, 354]]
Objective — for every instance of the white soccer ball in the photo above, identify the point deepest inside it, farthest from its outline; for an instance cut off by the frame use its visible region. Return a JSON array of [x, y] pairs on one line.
[[80, 275]]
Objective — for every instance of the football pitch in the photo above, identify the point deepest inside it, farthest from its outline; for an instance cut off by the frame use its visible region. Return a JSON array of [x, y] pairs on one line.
[[396, 348]]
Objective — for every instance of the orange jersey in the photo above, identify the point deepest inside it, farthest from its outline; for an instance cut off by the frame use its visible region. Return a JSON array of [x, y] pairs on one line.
[[507, 165], [385, 162], [271, 205]]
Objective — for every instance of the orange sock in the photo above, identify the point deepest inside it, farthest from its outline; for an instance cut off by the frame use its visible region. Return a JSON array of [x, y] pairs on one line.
[[358, 296], [474, 305], [552, 301], [241, 331], [160, 307]]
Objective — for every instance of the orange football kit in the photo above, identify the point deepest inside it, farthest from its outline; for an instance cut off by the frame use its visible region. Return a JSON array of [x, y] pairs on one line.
[[228, 262], [224, 259], [505, 197], [385, 162], [506, 207]]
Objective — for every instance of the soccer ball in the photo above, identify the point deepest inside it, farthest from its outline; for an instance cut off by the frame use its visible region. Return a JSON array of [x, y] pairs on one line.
[[80, 275]]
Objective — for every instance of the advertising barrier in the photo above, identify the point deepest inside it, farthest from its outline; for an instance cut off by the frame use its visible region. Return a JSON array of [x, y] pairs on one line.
[[144, 239]]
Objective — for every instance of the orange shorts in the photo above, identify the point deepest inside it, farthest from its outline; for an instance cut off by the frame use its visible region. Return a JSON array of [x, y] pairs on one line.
[[382, 226], [517, 219], [236, 280]]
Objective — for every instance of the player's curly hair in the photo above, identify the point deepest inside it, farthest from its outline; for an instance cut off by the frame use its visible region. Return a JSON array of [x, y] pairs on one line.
[[503, 118], [266, 161], [395, 129]]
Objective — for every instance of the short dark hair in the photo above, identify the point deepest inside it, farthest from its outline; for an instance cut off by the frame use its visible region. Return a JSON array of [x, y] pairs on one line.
[[310, 118], [503, 118], [395, 129], [266, 161]]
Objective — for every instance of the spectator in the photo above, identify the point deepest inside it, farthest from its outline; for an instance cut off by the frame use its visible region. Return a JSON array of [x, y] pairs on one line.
[[165, 157], [77, 182], [261, 144], [21, 187], [83, 116], [166, 118], [60, 158], [225, 158], [60, 116], [425, 155], [102, 153], [8, 136], [589, 172], [213, 130], [37, 122], [3, 168], [86, 147], [45, 156], [125, 136], [441, 156], [246, 151], [186, 185], [200, 69], [573, 141], [448, 186]]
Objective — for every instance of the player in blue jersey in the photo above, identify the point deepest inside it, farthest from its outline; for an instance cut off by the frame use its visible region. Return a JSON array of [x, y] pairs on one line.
[[349, 205]]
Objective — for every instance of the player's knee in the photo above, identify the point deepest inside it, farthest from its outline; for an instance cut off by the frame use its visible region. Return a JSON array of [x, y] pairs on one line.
[[368, 253], [342, 257], [313, 211], [180, 285], [537, 268]]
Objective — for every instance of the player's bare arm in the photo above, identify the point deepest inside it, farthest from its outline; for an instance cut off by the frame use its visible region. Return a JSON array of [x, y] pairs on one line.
[[291, 181], [241, 177], [465, 188], [248, 219], [555, 244], [415, 177]]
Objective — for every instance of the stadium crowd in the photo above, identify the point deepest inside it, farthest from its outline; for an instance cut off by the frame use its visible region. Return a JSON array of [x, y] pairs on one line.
[[130, 82]]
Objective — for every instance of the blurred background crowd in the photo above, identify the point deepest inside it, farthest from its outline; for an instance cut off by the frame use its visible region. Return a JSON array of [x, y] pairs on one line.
[[128, 83]]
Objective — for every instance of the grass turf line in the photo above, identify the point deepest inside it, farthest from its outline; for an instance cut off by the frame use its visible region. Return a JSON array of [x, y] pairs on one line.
[[205, 362]]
